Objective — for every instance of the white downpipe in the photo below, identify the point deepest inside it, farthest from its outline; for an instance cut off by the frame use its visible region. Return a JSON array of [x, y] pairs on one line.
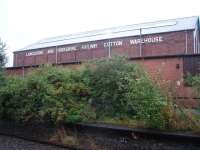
[[140, 42], [56, 55], [109, 50]]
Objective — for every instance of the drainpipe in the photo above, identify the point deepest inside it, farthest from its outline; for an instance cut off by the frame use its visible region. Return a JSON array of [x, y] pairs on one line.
[[109, 53], [56, 55], [15, 62], [23, 73], [140, 42], [186, 42]]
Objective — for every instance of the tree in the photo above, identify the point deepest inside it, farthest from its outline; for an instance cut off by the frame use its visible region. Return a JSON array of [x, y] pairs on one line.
[[2, 53], [2, 60]]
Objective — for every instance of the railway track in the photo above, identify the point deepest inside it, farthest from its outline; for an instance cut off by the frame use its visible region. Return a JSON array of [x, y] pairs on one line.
[[18, 143], [103, 136], [179, 136]]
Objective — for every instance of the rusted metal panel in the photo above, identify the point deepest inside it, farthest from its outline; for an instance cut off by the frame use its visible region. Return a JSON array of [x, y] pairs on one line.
[[19, 59], [29, 61], [41, 59], [99, 53], [83, 55], [173, 43], [68, 57], [51, 58]]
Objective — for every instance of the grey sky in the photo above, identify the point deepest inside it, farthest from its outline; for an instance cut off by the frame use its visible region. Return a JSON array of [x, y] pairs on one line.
[[23, 22]]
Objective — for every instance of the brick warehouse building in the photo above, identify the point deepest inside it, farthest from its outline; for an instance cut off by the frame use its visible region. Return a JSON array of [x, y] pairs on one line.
[[168, 49]]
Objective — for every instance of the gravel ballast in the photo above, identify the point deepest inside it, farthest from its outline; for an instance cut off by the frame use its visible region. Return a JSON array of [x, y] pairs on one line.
[[10, 143]]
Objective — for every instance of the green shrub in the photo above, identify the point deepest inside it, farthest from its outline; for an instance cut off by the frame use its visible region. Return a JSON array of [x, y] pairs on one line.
[[107, 88], [11, 101], [120, 89], [194, 82], [44, 95]]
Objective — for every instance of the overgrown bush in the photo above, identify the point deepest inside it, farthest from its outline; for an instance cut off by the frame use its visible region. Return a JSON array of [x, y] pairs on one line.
[[194, 82], [11, 98], [123, 90], [108, 88], [47, 94]]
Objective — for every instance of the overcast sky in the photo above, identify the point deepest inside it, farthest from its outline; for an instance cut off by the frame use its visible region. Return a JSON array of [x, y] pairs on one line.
[[23, 22]]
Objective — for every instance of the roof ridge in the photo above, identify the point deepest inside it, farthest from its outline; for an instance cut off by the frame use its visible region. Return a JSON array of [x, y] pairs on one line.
[[137, 24], [160, 26]]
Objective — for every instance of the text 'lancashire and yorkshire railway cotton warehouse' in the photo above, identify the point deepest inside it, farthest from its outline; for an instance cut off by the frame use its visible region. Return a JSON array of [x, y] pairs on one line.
[[170, 47]]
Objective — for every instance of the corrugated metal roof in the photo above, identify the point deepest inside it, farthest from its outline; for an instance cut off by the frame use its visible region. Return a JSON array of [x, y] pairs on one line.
[[179, 24]]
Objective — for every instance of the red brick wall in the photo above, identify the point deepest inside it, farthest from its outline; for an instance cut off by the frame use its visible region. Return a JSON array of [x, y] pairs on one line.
[[19, 71], [166, 72], [14, 71], [171, 78]]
